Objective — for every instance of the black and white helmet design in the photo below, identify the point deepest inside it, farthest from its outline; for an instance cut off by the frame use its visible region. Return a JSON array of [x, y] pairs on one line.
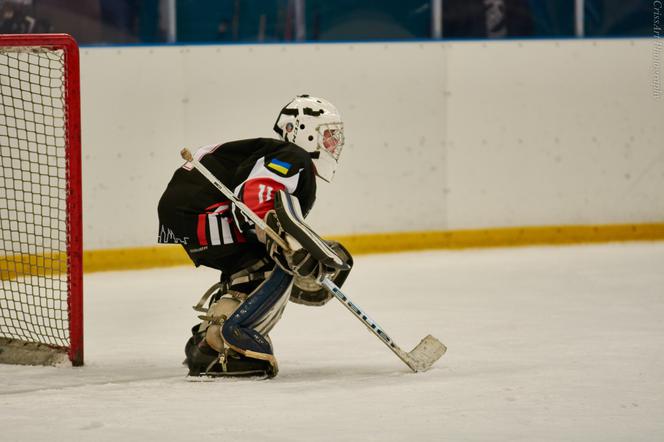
[[315, 125]]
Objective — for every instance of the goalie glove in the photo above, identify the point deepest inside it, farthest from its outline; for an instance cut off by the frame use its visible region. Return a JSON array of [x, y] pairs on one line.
[[309, 292]]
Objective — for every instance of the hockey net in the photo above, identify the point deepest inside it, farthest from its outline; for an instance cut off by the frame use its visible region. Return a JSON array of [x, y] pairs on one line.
[[41, 318]]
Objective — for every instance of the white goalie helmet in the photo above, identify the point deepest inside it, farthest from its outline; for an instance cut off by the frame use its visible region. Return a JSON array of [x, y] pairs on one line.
[[315, 125]]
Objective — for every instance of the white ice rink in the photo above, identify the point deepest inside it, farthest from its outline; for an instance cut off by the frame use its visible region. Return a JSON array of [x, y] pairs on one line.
[[545, 344]]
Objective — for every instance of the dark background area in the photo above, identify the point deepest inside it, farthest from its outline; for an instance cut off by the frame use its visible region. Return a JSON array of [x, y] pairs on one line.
[[202, 21]]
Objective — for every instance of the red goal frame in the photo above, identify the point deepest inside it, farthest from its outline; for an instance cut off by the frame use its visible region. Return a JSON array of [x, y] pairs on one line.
[[72, 100]]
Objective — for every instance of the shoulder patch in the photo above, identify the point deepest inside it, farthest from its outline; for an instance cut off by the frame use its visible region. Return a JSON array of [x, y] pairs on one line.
[[279, 166]]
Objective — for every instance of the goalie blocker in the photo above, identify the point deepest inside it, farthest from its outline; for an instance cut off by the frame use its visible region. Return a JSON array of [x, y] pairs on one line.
[[308, 246], [310, 257]]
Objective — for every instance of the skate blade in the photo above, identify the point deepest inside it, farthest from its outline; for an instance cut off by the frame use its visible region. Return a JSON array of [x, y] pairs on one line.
[[212, 377]]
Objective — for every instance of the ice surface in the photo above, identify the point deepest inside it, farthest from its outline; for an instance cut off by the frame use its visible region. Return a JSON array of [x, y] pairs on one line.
[[563, 344]]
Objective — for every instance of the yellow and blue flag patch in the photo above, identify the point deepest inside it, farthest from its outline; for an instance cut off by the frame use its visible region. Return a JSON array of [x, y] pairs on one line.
[[279, 166]]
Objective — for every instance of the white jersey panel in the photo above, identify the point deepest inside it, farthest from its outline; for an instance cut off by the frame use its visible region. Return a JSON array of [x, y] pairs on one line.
[[260, 171]]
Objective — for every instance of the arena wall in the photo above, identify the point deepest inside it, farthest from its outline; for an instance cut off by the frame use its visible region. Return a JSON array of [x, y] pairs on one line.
[[441, 137]]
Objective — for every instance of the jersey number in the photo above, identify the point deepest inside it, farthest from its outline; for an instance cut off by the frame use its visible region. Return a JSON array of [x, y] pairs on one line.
[[262, 197]]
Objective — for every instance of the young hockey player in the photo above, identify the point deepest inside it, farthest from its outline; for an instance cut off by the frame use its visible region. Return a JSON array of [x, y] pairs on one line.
[[275, 178]]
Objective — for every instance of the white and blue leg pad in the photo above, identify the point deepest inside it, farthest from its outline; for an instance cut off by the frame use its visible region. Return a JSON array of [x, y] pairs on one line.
[[246, 329]]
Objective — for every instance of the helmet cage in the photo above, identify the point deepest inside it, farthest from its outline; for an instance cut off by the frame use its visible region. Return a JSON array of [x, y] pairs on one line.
[[337, 134]]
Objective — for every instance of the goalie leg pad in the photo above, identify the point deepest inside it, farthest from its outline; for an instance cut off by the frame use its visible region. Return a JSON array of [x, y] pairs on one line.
[[245, 331], [207, 352]]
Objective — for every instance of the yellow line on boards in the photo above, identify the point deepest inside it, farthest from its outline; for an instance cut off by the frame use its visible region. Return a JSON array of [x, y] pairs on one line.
[[12, 266], [134, 258], [500, 237], [167, 255]]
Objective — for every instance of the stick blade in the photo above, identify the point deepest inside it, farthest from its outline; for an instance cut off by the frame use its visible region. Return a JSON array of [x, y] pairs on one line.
[[425, 354]]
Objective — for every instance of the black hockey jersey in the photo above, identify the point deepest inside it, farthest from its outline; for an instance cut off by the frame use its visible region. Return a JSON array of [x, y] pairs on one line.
[[195, 214]]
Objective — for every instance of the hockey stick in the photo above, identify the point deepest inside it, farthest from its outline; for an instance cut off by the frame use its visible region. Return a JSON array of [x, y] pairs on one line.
[[421, 358]]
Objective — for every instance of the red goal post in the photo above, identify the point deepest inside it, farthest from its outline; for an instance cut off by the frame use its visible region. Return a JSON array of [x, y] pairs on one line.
[[41, 268]]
